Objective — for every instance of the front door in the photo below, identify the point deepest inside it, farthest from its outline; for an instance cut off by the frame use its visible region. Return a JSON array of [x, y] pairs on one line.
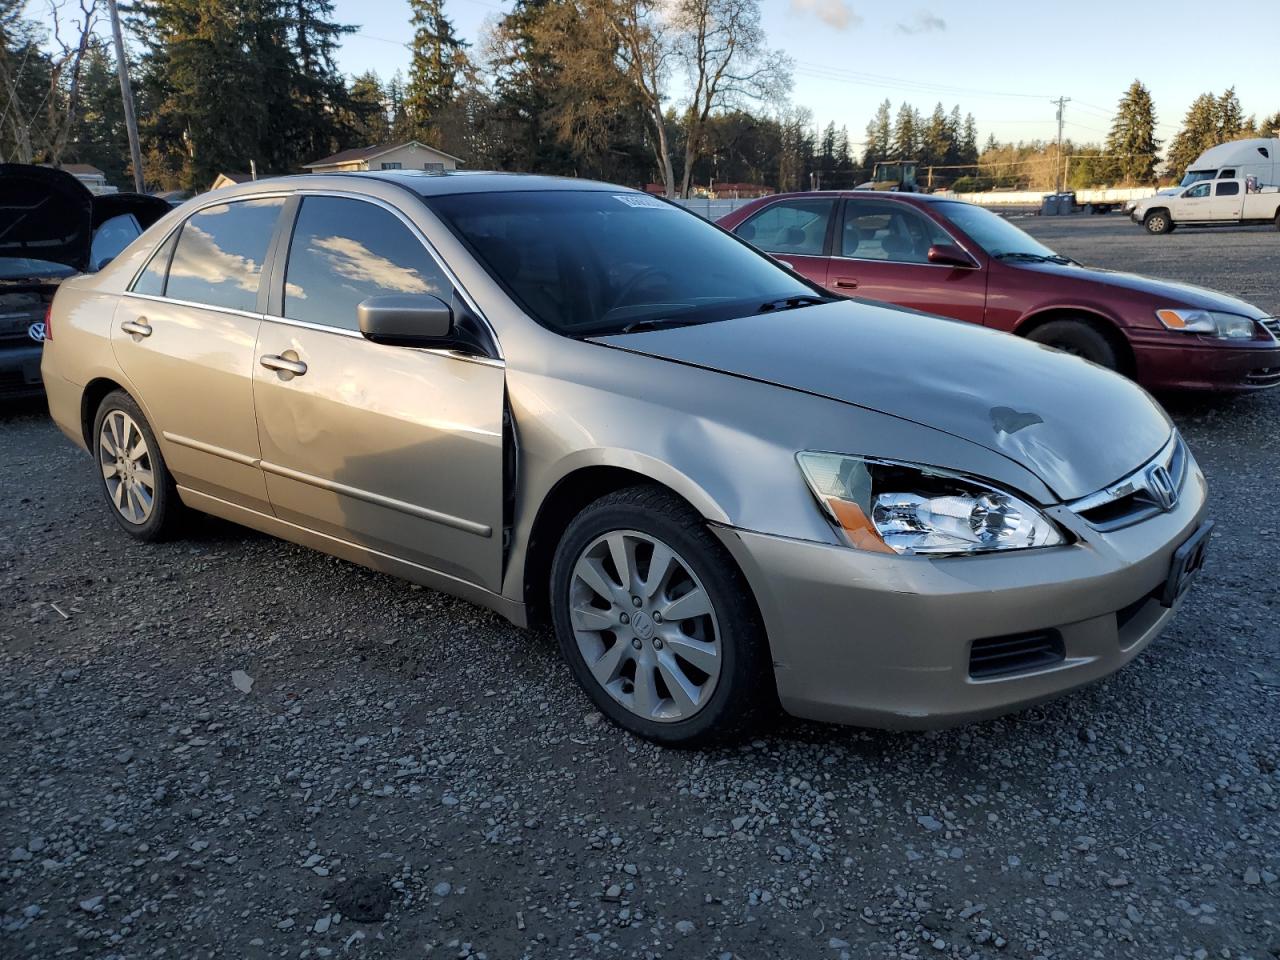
[[397, 449], [1195, 204], [185, 337], [882, 253]]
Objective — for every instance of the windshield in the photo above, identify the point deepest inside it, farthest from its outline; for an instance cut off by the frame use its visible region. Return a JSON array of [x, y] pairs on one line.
[[25, 268], [993, 233], [592, 262], [1195, 176]]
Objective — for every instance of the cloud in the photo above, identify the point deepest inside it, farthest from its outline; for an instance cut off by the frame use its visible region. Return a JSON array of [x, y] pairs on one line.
[[353, 260], [834, 13], [923, 22]]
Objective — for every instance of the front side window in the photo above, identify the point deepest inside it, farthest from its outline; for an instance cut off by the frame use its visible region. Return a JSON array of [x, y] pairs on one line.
[[220, 253], [344, 251], [592, 262], [884, 231], [1228, 189], [1201, 191], [790, 226]]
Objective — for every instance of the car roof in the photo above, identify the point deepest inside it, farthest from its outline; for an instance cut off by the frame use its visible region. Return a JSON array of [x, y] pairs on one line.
[[429, 183], [899, 196]]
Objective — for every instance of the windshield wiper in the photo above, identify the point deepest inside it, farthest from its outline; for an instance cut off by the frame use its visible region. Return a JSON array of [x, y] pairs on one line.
[[658, 323], [792, 303], [1034, 257]]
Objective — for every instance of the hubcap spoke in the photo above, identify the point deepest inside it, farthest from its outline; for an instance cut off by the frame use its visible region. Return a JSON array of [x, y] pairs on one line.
[[592, 618], [145, 478], [660, 565], [704, 656], [605, 669], [591, 572], [645, 693], [695, 603], [623, 552], [683, 690]]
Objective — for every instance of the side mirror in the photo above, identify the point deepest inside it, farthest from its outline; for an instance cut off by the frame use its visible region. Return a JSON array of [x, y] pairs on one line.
[[412, 320], [949, 255]]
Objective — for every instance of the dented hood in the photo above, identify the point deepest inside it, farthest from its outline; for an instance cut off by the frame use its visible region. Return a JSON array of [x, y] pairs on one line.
[[1077, 426], [48, 214]]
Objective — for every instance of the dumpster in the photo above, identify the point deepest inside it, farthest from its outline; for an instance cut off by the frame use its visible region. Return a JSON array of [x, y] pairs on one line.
[[1049, 205]]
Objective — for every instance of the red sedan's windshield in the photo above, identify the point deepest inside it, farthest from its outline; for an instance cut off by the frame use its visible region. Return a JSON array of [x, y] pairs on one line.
[[996, 235], [593, 262]]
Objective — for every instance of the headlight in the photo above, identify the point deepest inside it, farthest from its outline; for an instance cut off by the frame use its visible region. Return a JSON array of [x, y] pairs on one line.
[[890, 507], [1224, 326]]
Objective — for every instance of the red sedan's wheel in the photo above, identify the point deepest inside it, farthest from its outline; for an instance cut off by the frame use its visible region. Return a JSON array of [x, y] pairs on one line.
[[1079, 339]]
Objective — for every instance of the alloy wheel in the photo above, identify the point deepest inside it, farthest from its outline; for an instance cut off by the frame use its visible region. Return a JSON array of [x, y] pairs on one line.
[[645, 626], [126, 465]]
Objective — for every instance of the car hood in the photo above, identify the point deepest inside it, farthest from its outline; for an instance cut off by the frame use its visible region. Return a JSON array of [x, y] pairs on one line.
[[1163, 293], [49, 215], [1077, 426]]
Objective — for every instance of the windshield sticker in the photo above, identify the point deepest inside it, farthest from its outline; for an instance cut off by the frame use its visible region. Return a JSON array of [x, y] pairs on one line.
[[640, 200]]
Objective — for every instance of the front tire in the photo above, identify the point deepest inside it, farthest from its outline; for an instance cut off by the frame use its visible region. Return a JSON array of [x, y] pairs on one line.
[[1158, 222], [1079, 339], [657, 623], [136, 483]]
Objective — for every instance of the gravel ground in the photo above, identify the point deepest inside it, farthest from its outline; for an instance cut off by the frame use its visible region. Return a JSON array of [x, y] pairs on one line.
[[229, 746]]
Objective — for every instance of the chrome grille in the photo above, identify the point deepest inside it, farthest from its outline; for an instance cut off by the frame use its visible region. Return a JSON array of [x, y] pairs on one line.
[[1272, 326], [1131, 499]]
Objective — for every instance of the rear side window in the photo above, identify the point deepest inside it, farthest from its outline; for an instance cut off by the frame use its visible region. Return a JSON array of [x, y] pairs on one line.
[[151, 280], [220, 253], [1230, 189], [790, 226], [344, 251]]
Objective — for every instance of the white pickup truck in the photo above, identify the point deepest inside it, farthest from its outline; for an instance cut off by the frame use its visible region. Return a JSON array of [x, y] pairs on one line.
[[1210, 203]]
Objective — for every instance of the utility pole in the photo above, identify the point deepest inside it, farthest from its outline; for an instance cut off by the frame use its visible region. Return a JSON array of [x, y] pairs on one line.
[[126, 94], [1057, 160]]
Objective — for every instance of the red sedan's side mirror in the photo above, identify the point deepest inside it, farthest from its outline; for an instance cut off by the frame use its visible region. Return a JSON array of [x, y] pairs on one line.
[[949, 255]]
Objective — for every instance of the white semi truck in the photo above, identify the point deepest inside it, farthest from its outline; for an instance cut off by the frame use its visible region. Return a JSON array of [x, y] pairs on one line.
[[1239, 158]]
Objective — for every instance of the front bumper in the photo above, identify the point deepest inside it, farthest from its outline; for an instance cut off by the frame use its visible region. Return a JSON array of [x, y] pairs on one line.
[[20, 371], [1182, 362], [885, 641]]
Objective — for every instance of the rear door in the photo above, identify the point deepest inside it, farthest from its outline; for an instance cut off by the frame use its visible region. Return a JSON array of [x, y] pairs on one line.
[[796, 232], [185, 335], [882, 253], [397, 449], [1228, 199]]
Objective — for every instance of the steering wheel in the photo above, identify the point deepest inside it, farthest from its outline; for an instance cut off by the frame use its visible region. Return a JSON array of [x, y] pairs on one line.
[[631, 285]]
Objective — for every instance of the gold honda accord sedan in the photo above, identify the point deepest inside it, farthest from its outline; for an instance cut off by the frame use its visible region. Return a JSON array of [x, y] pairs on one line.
[[580, 405]]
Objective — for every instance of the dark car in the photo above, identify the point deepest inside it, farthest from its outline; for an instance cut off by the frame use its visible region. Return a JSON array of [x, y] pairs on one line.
[[51, 228], [959, 260]]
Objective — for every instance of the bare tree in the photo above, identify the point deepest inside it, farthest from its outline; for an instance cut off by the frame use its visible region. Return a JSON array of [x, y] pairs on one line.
[[43, 128], [646, 50], [720, 46]]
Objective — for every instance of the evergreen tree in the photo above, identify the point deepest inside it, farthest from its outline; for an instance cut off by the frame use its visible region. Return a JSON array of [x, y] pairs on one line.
[[906, 133], [1132, 142], [969, 140], [438, 58], [879, 138], [367, 102], [1270, 126], [935, 141], [100, 137], [1210, 120]]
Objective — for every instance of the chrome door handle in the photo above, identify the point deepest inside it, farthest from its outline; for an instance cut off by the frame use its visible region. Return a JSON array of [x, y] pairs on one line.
[[847, 283], [273, 362], [137, 328]]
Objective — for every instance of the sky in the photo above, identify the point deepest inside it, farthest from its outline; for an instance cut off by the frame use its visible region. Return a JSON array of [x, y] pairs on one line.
[[1003, 62]]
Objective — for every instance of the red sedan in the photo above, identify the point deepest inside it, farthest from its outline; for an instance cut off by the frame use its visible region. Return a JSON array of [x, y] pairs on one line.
[[959, 260]]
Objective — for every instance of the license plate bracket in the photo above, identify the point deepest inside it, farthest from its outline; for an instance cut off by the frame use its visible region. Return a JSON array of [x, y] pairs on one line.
[[1187, 561]]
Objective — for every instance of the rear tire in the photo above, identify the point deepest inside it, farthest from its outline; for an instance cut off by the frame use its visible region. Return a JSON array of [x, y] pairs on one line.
[[1278, 219], [680, 678], [1079, 339], [1158, 222], [135, 481]]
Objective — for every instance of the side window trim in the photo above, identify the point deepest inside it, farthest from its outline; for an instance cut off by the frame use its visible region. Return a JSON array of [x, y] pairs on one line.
[[279, 252], [271, 300]]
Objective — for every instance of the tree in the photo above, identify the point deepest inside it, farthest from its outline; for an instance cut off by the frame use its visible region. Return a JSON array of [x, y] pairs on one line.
[[438, 58], [1210, 120], [721, 47], [1270, 126], [906, 133], [99, 137], [879, 137], [367, 106], [1132, 143], [935, 140]]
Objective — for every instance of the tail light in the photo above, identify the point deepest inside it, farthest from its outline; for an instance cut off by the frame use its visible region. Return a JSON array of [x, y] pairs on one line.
[[48, 322]]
